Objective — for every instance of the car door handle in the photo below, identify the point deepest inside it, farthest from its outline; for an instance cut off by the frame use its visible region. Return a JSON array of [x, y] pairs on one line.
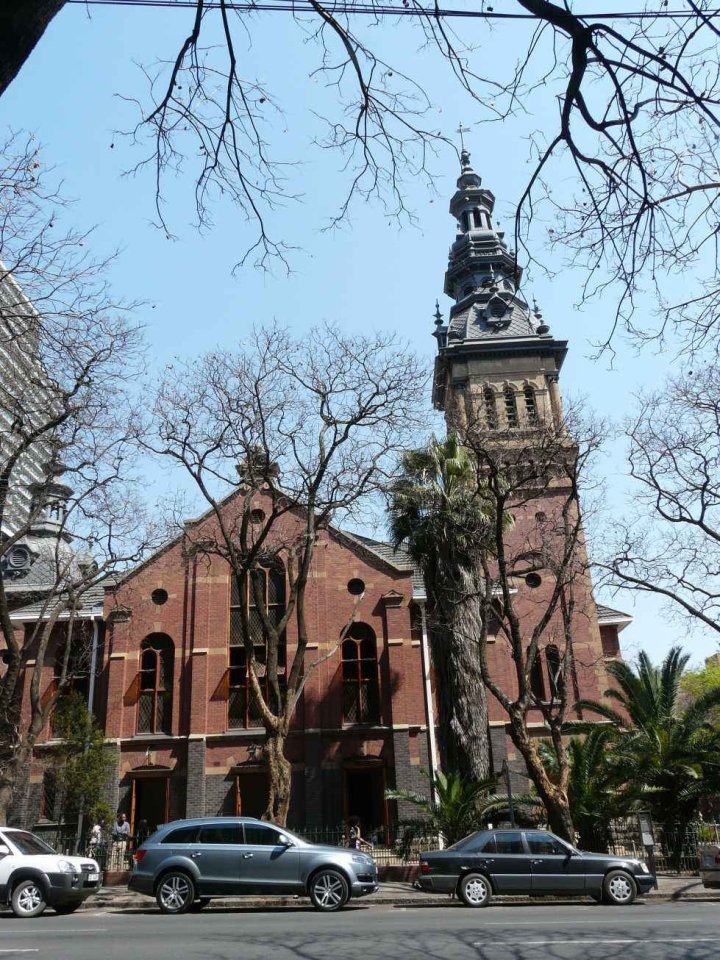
[[247, 856], [535, 862], [195, 855], [486, 860]]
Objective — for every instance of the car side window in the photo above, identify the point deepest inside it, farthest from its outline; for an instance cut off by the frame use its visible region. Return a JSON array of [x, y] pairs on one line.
[[545, 844], [259, 836], [487, 845], [183, 835], [220, 833], [508, 843]]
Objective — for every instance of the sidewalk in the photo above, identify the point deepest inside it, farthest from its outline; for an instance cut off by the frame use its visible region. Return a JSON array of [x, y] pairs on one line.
[[389, 895]]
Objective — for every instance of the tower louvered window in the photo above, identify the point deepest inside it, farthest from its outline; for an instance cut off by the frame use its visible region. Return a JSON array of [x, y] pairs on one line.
[[491, 415], [361, 694], [530, 404], [511, 413], [155, 694], [269, 590]]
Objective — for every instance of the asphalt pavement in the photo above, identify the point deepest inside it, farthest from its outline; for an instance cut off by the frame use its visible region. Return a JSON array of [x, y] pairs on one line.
[[543, 931]]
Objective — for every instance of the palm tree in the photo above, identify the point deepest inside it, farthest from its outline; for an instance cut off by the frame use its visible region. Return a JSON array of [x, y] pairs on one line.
[[592, 784], [437, 514], [668, 758], [459, 806]]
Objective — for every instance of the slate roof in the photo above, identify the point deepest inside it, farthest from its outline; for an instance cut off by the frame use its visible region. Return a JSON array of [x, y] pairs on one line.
[[610, 616], [398, 558], [92, 605], [471, 321]]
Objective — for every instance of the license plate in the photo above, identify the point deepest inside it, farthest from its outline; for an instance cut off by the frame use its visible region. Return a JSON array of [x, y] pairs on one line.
[[93, 876]]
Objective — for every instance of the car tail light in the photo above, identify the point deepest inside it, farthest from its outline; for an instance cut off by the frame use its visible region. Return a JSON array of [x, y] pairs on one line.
[[424, 868], [139, 854]]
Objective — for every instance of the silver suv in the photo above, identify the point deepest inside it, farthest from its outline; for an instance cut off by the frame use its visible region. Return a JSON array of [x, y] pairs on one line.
[[187, 862]]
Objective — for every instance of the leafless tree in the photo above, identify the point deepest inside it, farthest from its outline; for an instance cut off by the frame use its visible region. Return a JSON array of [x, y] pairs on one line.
[[282, 437], [67, 435], [624, 176], [535, 586], [670, 544]]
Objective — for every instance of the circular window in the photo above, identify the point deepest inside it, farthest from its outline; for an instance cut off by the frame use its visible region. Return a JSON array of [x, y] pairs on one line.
[[257, 516], [533, 580], [356, 586], [159, 596], [541, 516]]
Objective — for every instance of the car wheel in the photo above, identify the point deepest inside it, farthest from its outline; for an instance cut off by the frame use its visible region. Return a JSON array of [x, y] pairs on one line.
[[329, 890], [475, 890], [66, 907], [175, 893], [28, 899], [619, 888], [198, 905]]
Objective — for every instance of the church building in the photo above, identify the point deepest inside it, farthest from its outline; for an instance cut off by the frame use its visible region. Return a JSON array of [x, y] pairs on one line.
[[169, 683]]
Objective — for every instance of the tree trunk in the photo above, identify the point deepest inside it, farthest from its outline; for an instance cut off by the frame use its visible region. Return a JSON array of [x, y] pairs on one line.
[[455, 617], [22, 24], [553, 797], [279, 780]]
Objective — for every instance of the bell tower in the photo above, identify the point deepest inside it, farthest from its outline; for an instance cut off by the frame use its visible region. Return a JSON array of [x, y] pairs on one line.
[[497, 363]]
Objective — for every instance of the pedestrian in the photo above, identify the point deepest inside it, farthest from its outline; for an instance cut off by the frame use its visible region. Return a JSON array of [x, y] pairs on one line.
[[356, 838], [143, 832], [95, 838], [121, 830]]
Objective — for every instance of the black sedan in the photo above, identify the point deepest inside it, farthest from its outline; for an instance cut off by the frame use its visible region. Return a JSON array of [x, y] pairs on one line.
[[530, 862]]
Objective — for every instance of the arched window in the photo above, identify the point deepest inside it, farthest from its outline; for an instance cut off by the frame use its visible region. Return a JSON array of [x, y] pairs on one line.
[[511, 413], [537, 682], [477, 220], [267, 588], [554, 665], [361, 693], [156, 677], [530, 404], [491, 415]]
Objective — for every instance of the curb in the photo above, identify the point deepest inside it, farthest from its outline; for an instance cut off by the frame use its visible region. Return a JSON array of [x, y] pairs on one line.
[[122, 904]]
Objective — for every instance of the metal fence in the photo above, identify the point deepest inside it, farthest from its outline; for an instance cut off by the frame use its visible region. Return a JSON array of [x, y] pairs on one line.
[[676, 847], [392, 845]]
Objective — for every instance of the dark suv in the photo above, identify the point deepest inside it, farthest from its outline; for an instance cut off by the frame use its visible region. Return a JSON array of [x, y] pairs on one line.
[[186, 863], [532, 862]]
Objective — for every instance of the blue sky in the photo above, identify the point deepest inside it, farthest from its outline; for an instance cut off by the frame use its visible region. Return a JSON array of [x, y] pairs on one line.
[[371, 274]]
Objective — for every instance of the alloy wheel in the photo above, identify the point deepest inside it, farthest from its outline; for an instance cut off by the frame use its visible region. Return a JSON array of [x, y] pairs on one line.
[[329, 891], [175, 893], [620, 888], [29, 898]]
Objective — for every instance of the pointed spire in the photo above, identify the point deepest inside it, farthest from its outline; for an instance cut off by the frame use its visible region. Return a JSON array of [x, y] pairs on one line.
[[542, 328], [438, 316]]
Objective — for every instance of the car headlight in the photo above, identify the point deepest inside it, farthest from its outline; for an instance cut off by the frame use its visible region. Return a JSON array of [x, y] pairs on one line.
[[359, 858], [65, 867], [644, 867]]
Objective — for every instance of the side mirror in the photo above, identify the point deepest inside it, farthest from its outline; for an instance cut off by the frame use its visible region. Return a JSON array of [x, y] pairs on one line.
[[285, 841], [4, 850]]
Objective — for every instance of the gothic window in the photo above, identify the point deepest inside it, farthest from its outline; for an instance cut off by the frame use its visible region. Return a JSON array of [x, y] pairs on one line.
[[530, 404], [491, 414], [554, 665], [361, 694], [511, 413], [537, 681], [156, 677], [268, 588]]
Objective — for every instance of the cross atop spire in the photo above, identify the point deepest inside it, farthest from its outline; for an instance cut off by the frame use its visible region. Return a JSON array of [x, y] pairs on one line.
[[462, 130]]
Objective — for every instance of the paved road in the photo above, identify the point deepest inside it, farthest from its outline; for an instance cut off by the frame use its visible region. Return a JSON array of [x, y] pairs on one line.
[[668, 931]]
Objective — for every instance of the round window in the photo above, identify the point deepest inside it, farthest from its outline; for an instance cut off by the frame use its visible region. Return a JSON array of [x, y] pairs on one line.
[[356, 586], [533, 580], [159, 596], [541, 516], [257, 516]]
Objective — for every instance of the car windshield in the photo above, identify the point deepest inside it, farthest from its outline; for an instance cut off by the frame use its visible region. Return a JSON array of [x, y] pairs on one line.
[[465, 842], [28, 844]]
